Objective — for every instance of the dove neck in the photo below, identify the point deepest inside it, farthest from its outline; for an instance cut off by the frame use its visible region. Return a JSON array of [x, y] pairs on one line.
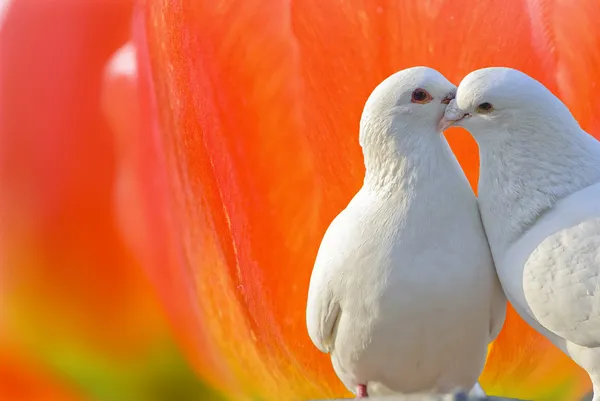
[[399, 160], [524, 174]]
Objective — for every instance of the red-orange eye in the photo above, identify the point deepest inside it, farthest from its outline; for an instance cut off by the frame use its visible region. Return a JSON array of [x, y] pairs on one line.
[[421, 96]]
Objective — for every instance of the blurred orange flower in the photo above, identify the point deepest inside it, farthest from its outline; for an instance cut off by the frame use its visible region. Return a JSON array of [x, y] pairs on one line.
[[258, 105], [75, 308]]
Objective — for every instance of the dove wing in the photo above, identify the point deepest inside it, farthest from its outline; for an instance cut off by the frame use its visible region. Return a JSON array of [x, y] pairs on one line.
[[561, 282], [322, 315], [323, 308]]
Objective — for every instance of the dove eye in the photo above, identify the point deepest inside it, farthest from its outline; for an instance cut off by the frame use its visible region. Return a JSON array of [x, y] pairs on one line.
[[484, 108], [421, 96]]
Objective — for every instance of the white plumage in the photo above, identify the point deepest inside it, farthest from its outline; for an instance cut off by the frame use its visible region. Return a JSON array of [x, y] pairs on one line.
[[539, 196], [403, 294]]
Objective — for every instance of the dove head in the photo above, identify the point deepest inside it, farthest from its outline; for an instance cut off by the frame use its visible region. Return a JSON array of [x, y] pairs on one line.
[[408, 103], [497, 101], [532, 151]]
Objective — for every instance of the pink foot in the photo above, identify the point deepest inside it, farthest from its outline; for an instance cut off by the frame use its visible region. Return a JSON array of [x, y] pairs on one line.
[[361, 391]]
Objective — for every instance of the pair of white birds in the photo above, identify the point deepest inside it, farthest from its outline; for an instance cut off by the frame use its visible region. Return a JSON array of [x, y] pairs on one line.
[[405, 294]]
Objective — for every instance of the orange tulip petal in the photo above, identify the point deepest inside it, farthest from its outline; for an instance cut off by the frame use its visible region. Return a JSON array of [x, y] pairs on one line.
[[223, 201], [141, 192], [259, 107], [576, 39]]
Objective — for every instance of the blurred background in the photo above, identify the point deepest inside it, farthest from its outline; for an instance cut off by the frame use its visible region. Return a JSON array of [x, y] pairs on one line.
[[79, 319], [168, 168]]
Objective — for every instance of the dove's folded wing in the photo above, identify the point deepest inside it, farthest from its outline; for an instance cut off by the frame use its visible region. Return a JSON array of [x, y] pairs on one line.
[[322, 315], [323, 309], [562, 285]]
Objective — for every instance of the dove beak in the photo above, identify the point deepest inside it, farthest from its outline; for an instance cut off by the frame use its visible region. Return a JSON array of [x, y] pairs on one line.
[[452, 115]]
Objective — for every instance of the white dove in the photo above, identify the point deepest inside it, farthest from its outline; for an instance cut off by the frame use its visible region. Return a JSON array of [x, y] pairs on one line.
[[539, 196], [404, 295]]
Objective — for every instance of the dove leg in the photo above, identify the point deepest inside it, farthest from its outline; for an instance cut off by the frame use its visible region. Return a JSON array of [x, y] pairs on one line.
[[361, 391]]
